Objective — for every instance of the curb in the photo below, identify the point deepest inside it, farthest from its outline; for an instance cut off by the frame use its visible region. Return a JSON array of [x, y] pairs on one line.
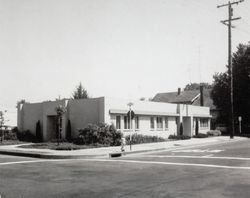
[[108, 154], [48, 156]]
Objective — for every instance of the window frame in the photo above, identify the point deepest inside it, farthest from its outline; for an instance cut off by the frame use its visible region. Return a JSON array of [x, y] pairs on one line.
[[166, 123], [159, 123], [152, 123], [118, 122], [137, 123]]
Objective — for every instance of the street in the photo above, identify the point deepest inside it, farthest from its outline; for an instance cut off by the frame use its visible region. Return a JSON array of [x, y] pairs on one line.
[[204, 171]]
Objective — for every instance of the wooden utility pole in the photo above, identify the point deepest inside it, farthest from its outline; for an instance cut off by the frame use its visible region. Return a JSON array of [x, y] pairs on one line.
[[228, 23]]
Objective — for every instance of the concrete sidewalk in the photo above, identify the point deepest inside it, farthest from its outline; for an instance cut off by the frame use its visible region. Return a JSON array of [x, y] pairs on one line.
[[106, 151]]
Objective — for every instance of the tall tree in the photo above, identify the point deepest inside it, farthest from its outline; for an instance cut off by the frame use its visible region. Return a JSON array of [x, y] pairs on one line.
[[196, 86], [80, 92], [241, 87]]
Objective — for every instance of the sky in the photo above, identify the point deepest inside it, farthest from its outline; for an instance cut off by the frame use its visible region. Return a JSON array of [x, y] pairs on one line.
[[117, 48]]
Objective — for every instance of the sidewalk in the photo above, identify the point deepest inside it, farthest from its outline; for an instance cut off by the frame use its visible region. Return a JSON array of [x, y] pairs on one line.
[[106, 151]]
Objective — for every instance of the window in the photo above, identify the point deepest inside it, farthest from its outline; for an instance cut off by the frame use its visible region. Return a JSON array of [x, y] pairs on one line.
[[136, 122], [127, 123], [204, 123], [166, 122], [159, 122], [152, 123], [118, 122]]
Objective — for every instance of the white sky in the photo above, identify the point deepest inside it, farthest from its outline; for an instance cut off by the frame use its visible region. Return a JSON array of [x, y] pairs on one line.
[[117, 48]]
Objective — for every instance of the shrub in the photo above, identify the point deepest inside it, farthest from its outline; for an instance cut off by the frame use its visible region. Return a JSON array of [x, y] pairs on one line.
[[200, 135], [214, 133], [99, 134], [178, 137], [39, 135], [140, 139], [196, 127], [68, 131], [26, 136], [247, 135], [181, 129], [9, 135]]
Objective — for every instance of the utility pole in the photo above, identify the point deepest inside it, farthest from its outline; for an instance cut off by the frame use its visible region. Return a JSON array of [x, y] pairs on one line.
[[228, 23]]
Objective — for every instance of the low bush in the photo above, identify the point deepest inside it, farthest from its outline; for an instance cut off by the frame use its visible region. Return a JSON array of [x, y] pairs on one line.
[[214, 133], [9, 135], [200, 135], [54, 146], [179, 137], [247, 135], [140, 139], [102, 134], [26, 136]]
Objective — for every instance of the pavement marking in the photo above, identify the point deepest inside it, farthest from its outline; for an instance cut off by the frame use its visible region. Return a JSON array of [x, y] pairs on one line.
[[198, 151], [195, 157], [183, 147], [134, 161], [28, 161], [210, 155]]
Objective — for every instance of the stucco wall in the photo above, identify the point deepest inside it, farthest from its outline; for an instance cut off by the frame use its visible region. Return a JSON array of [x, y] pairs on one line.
[[49, 109], [144, 126], [85, 111], [31, 114]]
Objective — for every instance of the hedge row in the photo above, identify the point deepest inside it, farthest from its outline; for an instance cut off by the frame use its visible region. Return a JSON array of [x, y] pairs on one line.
[[99, 134], [140, 139]]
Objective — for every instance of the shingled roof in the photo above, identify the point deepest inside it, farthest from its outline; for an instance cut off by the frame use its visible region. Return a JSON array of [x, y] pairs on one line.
[[186, 97]]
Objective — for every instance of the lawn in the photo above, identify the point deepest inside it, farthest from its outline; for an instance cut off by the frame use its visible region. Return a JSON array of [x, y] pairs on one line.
[[61, 146], [11, 142]]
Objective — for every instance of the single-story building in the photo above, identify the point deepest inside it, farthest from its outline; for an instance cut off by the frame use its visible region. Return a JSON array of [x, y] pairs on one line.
[[151, 118], [199, 97]]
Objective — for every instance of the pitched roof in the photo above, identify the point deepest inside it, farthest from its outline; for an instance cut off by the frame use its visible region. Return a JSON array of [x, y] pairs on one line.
[[173, 97], [186, 97], [208, 102]]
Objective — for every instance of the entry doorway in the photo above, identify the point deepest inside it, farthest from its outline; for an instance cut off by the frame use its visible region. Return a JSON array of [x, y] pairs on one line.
[[51, 127]]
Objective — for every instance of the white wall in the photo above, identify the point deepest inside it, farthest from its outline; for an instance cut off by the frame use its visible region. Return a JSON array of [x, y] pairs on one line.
[[85, 111], [30, 114], [103, 110]]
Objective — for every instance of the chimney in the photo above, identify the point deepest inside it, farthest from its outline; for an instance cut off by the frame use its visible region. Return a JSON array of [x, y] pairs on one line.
[[201, 96], [179, 91]]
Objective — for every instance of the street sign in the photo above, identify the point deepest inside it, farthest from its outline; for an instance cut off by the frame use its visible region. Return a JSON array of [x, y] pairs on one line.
[[132, 114]]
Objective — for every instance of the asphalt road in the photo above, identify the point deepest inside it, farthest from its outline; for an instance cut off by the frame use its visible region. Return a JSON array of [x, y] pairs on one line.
[[208, 171]]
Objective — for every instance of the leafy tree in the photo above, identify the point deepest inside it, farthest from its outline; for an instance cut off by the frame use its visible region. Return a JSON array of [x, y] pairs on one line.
[[80, 92], [2, 122], [60, 110], [241, 86], [196, 86]]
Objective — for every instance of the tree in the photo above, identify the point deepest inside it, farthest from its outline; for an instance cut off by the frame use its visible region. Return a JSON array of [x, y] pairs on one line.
[[196, 86], [2, 122], [241, 86], [80, 92], [60, 110]]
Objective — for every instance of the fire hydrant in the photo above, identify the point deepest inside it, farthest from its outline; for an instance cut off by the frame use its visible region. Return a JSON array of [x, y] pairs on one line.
[[123, 143]]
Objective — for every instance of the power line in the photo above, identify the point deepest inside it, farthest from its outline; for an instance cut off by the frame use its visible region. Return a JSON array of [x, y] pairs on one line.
[[228, 23]]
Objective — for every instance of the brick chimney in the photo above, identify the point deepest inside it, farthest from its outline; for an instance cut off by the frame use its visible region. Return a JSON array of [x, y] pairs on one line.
[[201, 96], [179, 91]]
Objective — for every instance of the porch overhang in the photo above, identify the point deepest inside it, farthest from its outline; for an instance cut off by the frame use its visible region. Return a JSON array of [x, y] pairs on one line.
[[150, 113]]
